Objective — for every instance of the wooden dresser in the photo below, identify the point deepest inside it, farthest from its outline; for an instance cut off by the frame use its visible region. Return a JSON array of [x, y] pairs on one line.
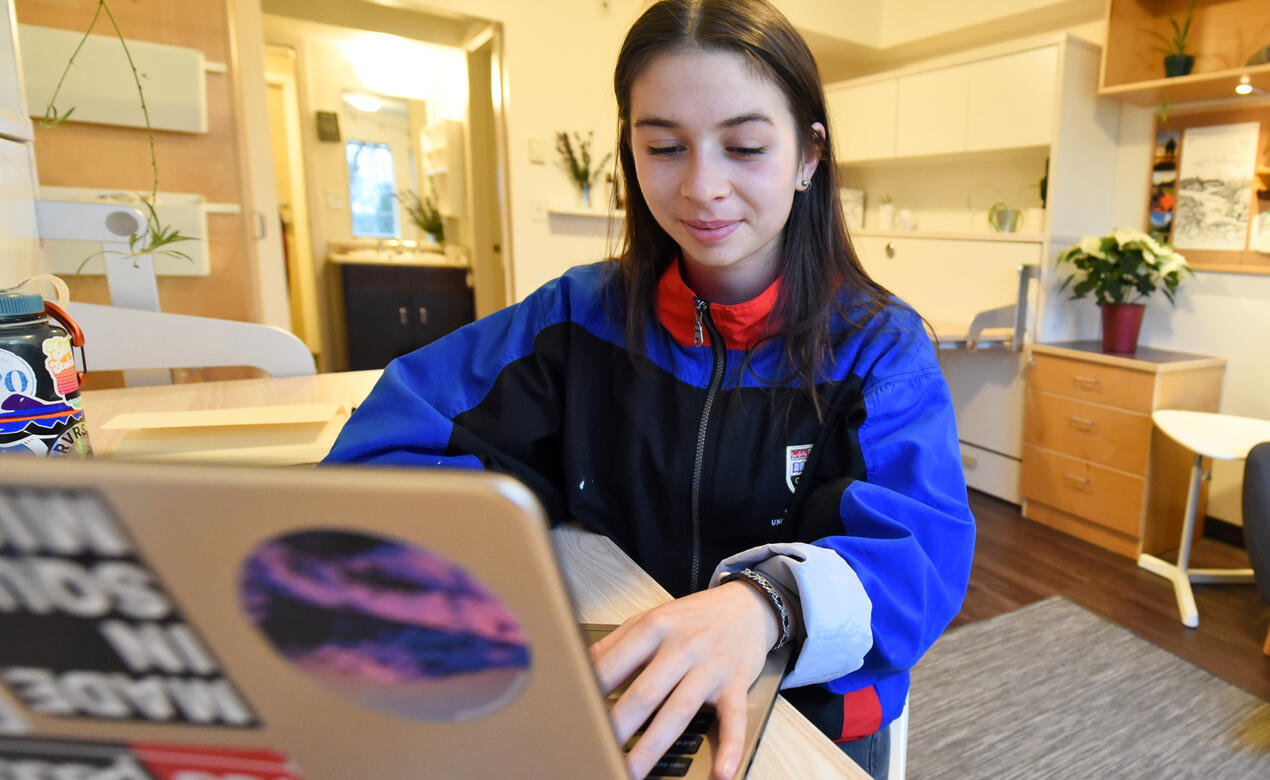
[[1093, 464]]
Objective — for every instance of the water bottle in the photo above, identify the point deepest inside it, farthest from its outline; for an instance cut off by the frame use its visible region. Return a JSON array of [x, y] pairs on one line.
[[40, 409]]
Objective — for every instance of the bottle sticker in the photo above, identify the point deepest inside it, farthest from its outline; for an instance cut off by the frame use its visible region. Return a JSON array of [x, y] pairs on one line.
[[60, 363], [64, 758], [16, 375], [30, 425]]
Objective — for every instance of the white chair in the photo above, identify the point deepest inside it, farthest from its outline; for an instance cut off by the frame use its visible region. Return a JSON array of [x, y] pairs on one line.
[[1218, 436], [899, 745], [116, 338]]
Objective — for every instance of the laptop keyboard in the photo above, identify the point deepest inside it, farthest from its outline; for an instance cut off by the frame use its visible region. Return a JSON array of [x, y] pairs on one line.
[[676, 761]]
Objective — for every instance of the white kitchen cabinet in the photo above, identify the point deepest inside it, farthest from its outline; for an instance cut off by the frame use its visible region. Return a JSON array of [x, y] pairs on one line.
[[931, 118], [863, 118], [983, 124], [1010, 100]]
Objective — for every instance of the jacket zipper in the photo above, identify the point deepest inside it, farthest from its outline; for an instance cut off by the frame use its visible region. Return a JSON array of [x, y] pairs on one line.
[[719, 352]]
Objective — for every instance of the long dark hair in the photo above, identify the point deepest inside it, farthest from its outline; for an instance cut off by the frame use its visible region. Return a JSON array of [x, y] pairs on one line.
[[817, 258]]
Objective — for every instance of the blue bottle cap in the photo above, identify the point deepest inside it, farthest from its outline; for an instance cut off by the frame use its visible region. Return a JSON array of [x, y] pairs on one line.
[[20, 304]]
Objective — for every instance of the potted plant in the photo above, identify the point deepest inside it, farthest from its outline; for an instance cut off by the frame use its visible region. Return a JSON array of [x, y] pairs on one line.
[[1120, 270], [886, 212], [577, 162], [423, 212], [1177, 60]]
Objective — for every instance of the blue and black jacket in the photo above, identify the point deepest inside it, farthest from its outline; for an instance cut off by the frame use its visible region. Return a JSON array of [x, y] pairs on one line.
[[696, 463]]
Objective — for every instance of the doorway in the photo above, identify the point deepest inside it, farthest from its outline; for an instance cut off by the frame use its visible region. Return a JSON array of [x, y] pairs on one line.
[[447, 73]]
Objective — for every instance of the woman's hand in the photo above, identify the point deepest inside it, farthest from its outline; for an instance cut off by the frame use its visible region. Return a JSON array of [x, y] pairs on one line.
[[705, 648]]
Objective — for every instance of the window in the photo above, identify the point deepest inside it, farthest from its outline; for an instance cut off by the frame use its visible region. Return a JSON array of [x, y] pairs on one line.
[[372, 190]]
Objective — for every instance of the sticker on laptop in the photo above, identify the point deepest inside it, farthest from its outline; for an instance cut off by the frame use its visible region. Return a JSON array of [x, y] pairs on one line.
[[11, 721], [64, 758], [388, 624], [89, 632]]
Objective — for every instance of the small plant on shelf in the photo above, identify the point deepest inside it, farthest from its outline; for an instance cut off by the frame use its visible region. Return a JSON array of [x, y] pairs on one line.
[[424, 213], [1178, 61], [157, 238], [575, 157]]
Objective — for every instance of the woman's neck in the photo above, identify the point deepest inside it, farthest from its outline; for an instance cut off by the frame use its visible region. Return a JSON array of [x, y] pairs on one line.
[[731, 284]]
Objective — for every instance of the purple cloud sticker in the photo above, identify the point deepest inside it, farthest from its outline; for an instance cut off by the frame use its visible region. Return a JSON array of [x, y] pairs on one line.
[[388, 624]]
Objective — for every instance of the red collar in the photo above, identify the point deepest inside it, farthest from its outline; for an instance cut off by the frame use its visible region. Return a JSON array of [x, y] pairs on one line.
[[740, 324]]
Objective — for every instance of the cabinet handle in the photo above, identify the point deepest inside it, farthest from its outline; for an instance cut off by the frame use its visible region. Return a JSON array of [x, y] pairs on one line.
[[423, 315], [890, 249], [401, 312], [1087, 425], [1076, 479], [969, 462], [1087, 381]]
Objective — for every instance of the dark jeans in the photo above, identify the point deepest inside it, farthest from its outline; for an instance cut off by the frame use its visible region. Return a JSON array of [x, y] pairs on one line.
[[873, 753]]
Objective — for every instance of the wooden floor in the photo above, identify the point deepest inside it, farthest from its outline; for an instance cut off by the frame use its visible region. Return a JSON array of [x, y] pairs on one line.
[[1018, 562]]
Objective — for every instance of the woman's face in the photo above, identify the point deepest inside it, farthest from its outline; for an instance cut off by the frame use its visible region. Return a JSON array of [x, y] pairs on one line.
[[718, 161]]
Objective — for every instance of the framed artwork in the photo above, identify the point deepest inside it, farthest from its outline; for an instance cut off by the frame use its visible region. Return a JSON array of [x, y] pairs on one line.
[[1210, 187], [852, 207]]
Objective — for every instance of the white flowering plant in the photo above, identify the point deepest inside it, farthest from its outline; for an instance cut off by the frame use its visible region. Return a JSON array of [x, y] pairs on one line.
[[1126, 264]]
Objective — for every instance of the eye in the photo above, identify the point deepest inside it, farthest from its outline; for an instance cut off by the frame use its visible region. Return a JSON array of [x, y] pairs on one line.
[[664, 151], [747, 151]]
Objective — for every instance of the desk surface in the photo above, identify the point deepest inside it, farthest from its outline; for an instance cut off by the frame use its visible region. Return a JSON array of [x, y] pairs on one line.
[[604, 584]]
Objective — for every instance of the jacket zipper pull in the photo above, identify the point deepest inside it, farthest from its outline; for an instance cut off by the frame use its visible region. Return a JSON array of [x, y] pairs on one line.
[[697, 338]]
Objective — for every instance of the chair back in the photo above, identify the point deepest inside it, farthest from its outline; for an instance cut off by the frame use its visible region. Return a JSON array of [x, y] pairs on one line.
[[1256, 510]]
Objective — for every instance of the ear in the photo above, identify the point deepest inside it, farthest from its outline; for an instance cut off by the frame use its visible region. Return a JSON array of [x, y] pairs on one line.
[[811, 158]]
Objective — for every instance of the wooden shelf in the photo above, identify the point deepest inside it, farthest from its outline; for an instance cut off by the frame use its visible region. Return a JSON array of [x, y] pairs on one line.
[[1223, 36], [944, 235], [1197, 86]]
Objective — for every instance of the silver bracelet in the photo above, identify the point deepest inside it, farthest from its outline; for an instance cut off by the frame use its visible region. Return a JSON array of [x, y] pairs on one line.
[[774, 596]]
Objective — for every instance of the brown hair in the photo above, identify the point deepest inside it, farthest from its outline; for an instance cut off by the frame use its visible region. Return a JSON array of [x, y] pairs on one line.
[[817, 257]]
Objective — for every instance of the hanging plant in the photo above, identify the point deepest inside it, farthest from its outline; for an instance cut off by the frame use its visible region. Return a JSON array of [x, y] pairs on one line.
[[157, 238]]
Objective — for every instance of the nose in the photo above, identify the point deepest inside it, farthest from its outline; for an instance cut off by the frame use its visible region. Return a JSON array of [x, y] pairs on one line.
[[705, 179]]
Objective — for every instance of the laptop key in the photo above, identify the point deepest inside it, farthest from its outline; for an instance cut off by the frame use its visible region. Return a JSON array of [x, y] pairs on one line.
[[700, 724], [671, 766], [688, 744]]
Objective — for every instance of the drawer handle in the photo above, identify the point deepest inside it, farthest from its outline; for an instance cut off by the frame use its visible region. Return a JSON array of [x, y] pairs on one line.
[[423, 315], [401, 312], [1082, 481], [1087, 381], [1084, 424], [969, 462]]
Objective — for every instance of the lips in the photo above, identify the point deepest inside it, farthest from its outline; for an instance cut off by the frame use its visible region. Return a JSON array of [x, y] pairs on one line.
[[711, 231]]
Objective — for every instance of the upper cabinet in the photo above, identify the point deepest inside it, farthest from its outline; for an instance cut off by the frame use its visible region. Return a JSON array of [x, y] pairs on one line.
[[864, 140], [932, 112], [1224, 36], [1010, 100], [992, 101]]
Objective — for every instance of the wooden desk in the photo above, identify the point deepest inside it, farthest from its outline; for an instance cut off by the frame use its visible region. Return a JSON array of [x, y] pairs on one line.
[[604, 584]]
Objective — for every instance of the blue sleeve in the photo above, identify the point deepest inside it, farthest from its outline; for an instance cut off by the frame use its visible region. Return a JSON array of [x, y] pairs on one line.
[[908, 533], [480, 397]]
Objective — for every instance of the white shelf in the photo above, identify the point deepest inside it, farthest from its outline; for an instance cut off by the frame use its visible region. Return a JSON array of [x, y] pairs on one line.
[[578, 211], [968, 235]]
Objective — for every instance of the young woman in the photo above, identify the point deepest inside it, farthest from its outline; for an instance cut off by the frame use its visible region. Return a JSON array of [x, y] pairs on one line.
[[732, 394]]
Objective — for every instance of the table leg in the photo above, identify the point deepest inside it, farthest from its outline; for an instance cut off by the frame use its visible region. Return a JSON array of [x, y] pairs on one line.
[[1178, 574]]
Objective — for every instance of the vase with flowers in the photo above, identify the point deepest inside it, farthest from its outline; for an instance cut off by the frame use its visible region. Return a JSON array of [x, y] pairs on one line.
[[1120, 270], [575, 156], [424, 213]]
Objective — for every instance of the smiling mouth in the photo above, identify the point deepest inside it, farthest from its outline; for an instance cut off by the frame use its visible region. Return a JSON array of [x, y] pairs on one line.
[[711, 231]]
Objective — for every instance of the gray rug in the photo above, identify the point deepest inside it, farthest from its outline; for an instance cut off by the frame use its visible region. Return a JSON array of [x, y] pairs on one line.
[[1052, 690]]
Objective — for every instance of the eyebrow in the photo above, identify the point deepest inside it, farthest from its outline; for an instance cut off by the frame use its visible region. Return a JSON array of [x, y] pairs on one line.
[[736, 121]]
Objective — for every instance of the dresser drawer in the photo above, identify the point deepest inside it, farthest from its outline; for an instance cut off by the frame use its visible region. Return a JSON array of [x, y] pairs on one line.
[[1111, 385], [1101, 495], [1110, 437]]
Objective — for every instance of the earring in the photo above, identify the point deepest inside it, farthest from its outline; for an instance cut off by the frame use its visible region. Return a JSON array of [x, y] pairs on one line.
[[806, 183]]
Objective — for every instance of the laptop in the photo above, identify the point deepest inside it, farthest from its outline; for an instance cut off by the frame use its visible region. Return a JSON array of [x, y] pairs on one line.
[[200, 622]]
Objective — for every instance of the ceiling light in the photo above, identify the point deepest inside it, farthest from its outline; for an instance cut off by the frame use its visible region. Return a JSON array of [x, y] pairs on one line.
[[362, 102], [1243, 87]]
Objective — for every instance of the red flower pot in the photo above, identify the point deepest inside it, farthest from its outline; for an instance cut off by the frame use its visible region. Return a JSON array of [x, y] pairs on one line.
[[1120, 325]]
